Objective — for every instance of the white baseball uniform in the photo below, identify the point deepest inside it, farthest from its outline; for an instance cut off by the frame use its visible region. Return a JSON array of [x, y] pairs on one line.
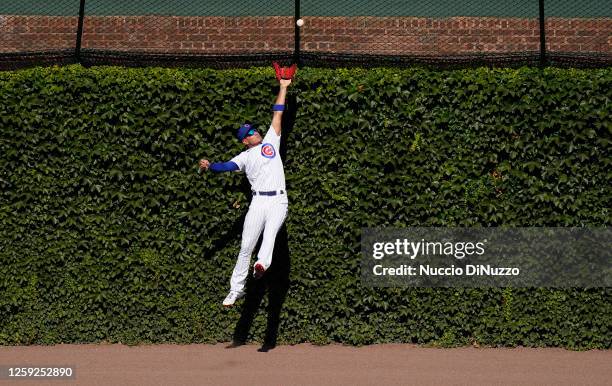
[[264, 169]]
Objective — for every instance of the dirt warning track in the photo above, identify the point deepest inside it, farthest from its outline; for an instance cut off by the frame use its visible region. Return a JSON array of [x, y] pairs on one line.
[[305, 364]]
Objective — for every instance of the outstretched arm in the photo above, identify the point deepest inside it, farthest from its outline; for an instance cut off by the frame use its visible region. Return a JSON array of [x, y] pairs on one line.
[[280, 100], [218, 167]]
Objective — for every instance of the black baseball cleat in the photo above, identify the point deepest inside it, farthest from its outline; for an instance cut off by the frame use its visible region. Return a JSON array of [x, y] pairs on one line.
[[258, 271]]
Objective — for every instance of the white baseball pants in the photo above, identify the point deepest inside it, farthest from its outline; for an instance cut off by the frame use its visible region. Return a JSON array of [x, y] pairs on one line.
[[267, 214]]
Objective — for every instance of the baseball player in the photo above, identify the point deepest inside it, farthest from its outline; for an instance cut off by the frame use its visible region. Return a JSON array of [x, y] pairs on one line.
[[264, 169]]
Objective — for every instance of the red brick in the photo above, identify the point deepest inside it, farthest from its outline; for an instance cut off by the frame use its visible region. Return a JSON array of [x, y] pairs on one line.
[[362, 34], [586, 33]]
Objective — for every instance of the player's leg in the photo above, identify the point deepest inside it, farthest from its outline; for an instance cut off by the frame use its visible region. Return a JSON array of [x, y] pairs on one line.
[[275, 216], [253, 225]]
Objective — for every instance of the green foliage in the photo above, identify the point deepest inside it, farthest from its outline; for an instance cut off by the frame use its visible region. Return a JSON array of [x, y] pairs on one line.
[[108, 233]]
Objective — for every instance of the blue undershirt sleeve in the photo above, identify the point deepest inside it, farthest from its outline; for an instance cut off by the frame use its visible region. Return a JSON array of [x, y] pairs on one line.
[[219, 167]]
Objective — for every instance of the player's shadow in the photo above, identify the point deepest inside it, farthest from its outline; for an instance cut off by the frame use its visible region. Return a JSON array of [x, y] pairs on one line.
[[276, 279], [276, 283]]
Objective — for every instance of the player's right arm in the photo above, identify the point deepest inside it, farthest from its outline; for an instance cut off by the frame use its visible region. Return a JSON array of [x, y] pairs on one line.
[[218, 167], [238, 163]]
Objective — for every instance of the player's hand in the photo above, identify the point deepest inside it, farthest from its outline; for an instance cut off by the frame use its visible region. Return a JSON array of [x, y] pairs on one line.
[[285, 82], [204, 164]]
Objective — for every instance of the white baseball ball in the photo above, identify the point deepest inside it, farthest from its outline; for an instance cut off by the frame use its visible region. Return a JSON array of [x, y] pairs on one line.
[[299, 22]]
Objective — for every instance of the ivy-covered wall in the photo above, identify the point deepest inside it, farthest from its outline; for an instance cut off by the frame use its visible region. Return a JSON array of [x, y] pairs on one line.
[[108, 233]]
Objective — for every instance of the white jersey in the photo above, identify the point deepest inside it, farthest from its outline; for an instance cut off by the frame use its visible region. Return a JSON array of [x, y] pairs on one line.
[[262, 164]]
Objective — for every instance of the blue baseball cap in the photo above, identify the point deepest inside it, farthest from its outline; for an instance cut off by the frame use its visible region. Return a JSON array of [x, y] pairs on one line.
[[243, 130]]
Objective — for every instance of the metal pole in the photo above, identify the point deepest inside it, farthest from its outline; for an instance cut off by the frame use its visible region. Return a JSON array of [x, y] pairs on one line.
[[296, 49], [542, 35], [77, 52]]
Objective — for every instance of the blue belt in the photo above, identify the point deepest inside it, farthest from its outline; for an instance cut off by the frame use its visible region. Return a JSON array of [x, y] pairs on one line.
[[269, 193]]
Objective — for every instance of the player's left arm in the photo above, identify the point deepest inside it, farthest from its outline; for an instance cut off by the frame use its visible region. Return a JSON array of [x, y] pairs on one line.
[[279, 105]]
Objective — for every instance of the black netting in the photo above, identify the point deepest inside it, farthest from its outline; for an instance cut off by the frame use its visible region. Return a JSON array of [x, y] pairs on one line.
[[37, 33], [430, 32], [220, 34], [233, 33], [578, 33]]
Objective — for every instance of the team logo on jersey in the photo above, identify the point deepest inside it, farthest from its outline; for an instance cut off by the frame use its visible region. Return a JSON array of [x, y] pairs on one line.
[[268, 151]]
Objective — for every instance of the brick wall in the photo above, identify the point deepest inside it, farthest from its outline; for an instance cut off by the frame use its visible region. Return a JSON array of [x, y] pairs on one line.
[[378, 35], [190, 34], [37, 33]]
